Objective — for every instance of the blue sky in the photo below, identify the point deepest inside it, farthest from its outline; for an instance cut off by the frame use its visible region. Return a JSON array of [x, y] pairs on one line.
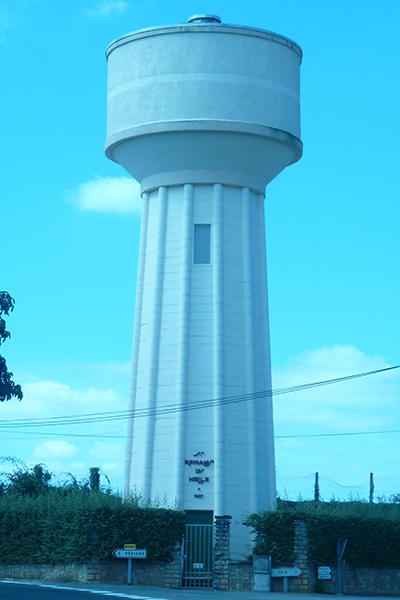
[[70, 222]]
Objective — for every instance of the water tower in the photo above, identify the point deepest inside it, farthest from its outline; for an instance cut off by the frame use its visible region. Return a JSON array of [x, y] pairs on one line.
[[204, 115]]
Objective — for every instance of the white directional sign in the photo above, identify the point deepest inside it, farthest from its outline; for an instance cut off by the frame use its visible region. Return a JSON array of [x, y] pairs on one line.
[[121, 553], [324, 573], [286, 572]]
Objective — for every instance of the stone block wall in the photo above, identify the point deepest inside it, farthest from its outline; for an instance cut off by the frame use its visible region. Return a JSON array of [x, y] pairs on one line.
[[157, 574], [229, 575], [61, 573], [241, 576], [359, 582], [355, 582]]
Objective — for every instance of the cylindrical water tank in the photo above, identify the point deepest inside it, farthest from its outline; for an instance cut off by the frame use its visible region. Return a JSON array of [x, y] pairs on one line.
[[219, 101]]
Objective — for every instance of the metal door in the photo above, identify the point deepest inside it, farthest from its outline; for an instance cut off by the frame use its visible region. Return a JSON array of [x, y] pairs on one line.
[[198, 559]]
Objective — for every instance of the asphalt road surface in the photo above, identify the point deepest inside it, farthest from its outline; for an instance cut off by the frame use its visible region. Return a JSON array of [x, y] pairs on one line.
[[27, 591], [18, 590]]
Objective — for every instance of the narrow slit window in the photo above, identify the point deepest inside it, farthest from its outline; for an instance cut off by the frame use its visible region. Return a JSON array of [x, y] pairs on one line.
[[202, 245]]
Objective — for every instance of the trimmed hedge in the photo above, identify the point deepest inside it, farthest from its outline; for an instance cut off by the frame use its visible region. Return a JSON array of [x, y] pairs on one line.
[[371, 542], [274, 535], [372, 532], [83, 526]]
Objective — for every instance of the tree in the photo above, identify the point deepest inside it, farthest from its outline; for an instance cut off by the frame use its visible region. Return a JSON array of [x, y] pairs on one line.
[[29, 482], [8, 388], [94, 479]]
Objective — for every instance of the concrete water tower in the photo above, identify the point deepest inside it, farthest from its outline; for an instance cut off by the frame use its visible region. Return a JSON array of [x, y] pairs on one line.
[[204, 115]]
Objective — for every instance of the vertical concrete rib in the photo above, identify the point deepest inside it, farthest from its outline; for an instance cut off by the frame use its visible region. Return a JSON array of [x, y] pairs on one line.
[[183, 356], [270, 458], [218, 350], [249, 343], [136, 343], [155, 340]]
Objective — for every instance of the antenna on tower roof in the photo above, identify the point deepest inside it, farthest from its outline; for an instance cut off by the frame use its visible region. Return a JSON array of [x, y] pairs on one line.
[[204, 19]]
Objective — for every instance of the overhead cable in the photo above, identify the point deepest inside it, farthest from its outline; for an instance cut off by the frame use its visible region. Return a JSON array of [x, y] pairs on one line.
[[175, 408]]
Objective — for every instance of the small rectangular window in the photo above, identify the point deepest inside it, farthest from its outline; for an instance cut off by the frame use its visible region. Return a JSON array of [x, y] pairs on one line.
[[202, 244]]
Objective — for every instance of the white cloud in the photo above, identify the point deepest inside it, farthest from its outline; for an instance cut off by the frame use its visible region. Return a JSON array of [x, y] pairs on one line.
[[357, 404], [45, 444], [367, 404], [13, 13], [44, 399], [106, 450], [361, 405], [107, 8], [107, 194], [55, 449]]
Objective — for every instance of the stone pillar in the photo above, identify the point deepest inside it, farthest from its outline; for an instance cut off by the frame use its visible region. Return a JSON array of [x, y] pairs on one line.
[[301, 583], [221, 552]]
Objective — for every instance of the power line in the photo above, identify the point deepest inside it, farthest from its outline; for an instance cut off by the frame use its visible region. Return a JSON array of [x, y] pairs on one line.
[[175, 408], [316, 435], [55, 434], [102, 435]]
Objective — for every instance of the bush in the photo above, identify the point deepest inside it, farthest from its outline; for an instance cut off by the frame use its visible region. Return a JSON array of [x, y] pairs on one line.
[[83, 525], [372, 532], [274, 535]]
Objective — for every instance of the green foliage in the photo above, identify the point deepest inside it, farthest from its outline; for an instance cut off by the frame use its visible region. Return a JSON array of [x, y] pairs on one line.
[[28, 482], [8, 388], [35, 481], [275, 535], [66, 525], [372, 531], [94, 479], [371, 542], [77, 521]]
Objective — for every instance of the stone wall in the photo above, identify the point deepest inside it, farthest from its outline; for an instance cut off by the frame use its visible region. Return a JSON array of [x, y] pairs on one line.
[[241, 576], [143, 573], [359, 582], [229, 575], [61, 573], [355, 582]]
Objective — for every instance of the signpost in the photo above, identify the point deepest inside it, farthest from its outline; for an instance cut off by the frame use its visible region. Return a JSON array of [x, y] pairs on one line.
[[324, 573], [129, 551], [286, 572], [120, 553], [341, 545]]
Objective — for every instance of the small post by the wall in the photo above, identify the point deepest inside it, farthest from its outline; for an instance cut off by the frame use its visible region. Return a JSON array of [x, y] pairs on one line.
[[262, 573]]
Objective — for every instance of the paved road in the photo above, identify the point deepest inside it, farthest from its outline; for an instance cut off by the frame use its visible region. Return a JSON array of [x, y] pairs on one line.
[[18, 590]]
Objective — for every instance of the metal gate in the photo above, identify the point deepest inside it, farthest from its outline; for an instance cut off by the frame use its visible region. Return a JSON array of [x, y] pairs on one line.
[[197, 556]]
